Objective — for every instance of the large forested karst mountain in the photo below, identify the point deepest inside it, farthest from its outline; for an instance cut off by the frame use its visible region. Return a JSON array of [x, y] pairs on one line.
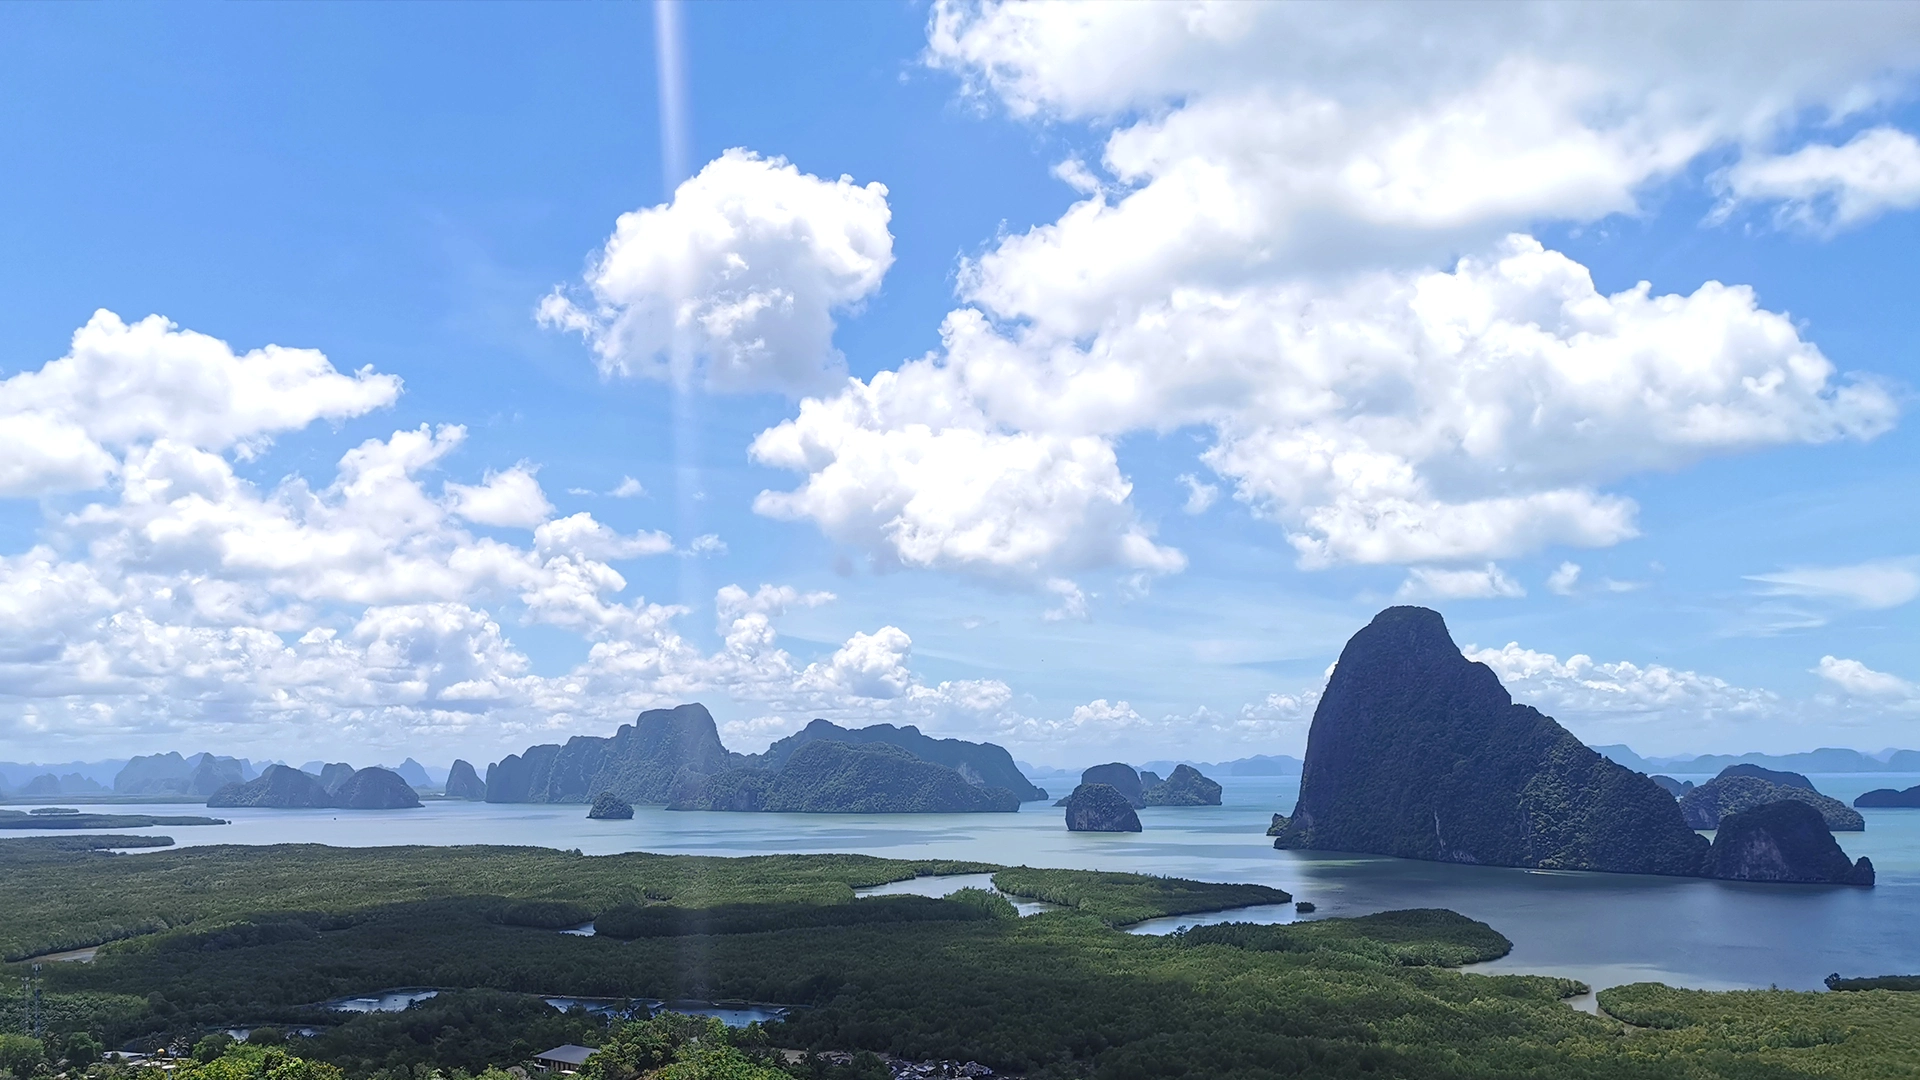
[[375, 789], [829, 777], [285, 787], [638, 763], [675, 757], [982, 764], [1417, 751], [280, 786]]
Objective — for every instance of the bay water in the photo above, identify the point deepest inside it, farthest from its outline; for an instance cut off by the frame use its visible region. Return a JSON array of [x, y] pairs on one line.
[[1603, 929]]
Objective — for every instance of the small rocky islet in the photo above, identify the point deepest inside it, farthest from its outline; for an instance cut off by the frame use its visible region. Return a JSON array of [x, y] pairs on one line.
[[1100, 807]]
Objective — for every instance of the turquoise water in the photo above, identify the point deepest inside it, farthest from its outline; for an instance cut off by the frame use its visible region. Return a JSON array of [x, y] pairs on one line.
[[1603, 929]]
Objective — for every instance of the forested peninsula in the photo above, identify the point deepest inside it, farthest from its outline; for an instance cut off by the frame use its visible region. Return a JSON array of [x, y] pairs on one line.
[[1061, 994]]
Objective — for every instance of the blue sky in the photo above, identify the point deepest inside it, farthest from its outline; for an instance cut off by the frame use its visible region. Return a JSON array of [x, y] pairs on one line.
[[401, 187]]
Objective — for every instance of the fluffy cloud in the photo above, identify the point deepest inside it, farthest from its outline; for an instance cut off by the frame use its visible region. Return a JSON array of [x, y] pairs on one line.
[[1858, 679], [1875, 585], [185, 601], [582, 536], [1828, 188], [1396, 418], [510, 499], [742, 271], [121, 386], [1581, 688], [1272, 135], [893, 469], [1261, 266]]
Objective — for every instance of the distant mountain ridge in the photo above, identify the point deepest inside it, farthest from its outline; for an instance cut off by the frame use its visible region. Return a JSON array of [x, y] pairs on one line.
[[201, 774], [1827, 759]]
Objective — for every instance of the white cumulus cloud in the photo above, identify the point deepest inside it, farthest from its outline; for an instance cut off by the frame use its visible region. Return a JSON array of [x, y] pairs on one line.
[[121, 386], [1582, 687], [511, 498], [1262, 266], [741, 273]]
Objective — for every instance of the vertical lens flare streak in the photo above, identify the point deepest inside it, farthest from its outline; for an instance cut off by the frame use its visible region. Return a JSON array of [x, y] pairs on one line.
[[670, 65]]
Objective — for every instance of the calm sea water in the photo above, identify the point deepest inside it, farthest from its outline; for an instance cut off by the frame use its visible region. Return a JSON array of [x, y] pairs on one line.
[[1603, 929]]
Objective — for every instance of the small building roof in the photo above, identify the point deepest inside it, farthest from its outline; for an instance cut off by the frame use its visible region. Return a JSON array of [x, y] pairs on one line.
[[569, 1054]]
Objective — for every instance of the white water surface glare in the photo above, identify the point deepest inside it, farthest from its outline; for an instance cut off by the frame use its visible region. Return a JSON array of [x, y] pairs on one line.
[[1603, 929]]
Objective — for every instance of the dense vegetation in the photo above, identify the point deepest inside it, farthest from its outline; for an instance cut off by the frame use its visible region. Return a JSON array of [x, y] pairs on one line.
[[1729, 793], [1424, 937], [983, 764], [26, 847], [254, 937], [1124, 899], [1186, 787], [1874, 982], [826, 777], [1418, 752], [638, 763], [58, 901], [14, 819]]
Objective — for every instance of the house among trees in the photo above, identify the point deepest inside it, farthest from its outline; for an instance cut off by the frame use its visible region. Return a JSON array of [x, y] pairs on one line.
[[564, 1059]]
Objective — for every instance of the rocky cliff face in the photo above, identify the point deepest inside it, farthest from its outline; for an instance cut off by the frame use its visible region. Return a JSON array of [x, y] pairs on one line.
[[375, 789], [1783, 841], [464, 783], [1100, 808], [1729, 793], [827, 777], [638, 763], [335, 774], [1417, 751], [280, 786], [982, 764], [1186, 787]]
